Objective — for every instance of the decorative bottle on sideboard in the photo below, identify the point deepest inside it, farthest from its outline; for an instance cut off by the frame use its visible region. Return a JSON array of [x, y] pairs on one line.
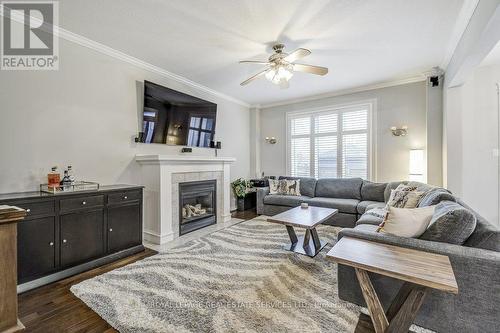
[[65, 182], [71, 175], [53, 178]]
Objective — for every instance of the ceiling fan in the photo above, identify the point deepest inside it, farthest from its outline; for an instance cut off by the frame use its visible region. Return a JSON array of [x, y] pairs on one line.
[[280, 66]]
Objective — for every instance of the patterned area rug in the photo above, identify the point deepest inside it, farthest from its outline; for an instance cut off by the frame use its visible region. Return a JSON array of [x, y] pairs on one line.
[[238, 279]]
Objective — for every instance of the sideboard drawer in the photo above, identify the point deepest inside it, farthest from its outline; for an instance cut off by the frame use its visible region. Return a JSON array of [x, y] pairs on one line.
[[38, 208], [82, 202], [126, 196]]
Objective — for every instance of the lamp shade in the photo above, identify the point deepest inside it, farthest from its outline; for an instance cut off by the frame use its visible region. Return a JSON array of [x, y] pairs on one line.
[[417, 166]]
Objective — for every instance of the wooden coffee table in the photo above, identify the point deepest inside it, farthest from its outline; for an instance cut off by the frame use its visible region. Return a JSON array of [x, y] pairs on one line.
[[307, 218], [420, 270]]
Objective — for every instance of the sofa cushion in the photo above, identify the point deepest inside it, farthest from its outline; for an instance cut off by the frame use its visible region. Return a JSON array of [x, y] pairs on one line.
[[391, 186], [451, 223], [285, 200], [370, 219], [347, 188], [363, 205], [372, 191], [435, 196], [343, 205], [378, 205], [307, 185]]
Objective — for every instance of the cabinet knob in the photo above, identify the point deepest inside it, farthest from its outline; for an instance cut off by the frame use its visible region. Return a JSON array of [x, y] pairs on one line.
[[110, 229], [125, 198], [84, 203], [65, 241], [51, 243], [28, 210]]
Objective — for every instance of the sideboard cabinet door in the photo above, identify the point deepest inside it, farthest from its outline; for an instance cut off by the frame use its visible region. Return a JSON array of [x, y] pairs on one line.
[[124, 227], [36, 248], [82, 237]]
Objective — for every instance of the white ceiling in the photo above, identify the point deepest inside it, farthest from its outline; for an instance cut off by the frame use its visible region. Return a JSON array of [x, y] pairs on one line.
[[361, 42]]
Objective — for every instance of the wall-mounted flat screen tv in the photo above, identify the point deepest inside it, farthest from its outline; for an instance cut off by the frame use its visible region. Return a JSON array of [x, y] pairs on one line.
[[175, 118]]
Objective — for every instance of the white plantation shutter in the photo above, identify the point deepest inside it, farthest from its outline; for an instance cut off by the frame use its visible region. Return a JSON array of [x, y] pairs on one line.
[[333, 143], [301, 155]]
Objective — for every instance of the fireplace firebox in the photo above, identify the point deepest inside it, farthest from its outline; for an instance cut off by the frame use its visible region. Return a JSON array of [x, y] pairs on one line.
[[197, 205]]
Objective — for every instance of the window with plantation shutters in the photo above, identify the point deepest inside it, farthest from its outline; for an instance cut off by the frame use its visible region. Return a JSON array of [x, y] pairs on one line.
[[332, 143]]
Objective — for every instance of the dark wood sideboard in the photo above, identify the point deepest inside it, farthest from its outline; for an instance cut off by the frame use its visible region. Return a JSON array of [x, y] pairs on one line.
[[68, 233]]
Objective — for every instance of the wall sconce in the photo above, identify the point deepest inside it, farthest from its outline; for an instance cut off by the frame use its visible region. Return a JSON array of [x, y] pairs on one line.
[[272, 140], [402, 131], [417, 165]]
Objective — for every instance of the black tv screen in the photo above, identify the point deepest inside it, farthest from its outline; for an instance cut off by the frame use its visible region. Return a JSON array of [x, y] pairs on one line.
[[175, 118]]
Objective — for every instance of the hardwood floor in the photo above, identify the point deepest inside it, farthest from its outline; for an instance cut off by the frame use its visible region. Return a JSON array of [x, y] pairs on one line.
[[53, 308], [245, 215]]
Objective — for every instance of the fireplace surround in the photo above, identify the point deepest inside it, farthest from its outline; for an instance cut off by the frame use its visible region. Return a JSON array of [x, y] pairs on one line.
[[197, 205], [161, 176]]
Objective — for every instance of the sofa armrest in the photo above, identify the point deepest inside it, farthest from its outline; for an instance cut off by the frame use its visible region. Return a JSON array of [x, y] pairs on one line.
[[423, 245], [261, 193]]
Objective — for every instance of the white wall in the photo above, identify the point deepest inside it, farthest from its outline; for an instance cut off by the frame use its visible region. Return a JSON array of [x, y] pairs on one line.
[[472, 141], [86, 115], [396, 106]]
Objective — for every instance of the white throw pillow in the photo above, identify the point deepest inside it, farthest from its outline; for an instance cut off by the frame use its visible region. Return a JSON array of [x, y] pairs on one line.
[[406, 222], [274, 186]]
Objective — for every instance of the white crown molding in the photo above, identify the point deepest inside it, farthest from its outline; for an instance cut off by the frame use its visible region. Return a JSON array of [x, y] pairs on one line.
[[380, 85], [96, 46], [109, 51], [464, 16]]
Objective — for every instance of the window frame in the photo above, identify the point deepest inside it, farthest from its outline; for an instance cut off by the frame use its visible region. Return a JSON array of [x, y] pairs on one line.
[[370, 105]]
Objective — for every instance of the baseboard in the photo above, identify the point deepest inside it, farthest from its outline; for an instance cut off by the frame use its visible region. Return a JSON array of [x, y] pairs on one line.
[[78, 269], [154, 238]]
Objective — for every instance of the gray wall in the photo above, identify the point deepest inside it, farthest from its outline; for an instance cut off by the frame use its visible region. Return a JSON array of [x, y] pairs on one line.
[[86, 114], [396, 106]]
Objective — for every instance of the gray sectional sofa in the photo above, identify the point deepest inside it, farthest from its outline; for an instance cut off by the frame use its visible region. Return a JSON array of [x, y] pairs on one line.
[[476, 262], [351, 196]]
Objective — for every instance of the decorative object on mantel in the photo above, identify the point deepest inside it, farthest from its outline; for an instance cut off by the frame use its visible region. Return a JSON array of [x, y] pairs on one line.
[[216, 145], [9, 216], [399, 131], [78, 186], [186, 150], [272, 140], [245, 194], [139, 137]]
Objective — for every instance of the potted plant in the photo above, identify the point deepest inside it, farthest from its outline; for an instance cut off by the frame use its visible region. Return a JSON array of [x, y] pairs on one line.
[[242, 188]]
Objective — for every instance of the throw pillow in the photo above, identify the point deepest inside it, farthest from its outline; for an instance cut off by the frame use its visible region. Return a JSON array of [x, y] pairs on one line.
[[290, 186], [274, 186], [435, 196], [406, 222], [404, 198], [451, 223]]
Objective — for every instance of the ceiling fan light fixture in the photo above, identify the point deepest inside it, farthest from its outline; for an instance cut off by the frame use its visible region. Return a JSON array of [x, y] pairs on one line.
[[279, 74]]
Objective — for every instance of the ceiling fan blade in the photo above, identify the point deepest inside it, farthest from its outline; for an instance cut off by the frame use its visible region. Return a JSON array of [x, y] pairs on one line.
[[254, 62], [297, 54], [310, 69], [256, 76]]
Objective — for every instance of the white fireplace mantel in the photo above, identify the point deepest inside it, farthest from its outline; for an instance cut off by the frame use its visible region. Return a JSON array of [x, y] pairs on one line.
[[171, 159], [160, 174]]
